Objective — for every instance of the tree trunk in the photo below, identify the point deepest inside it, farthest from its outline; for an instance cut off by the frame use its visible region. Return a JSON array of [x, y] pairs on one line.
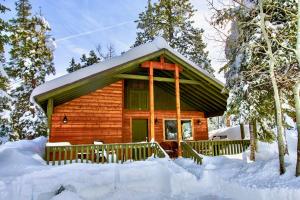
[[242, 129], [297, 106], [296, 93], [252, 130], [281, 146]]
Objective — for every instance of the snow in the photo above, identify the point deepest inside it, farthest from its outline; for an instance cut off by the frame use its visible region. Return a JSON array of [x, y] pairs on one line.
[[24, 175], [51, 44], [232, 133], [27, 62], [3, 72], [145, 49]]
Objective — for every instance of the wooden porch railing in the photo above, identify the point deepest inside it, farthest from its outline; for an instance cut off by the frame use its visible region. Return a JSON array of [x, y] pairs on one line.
[[189, 152], [219, 147], [104, 153]]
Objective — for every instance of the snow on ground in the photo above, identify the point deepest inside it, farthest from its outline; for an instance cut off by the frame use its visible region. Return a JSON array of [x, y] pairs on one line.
[[25, 175], [232, 133]]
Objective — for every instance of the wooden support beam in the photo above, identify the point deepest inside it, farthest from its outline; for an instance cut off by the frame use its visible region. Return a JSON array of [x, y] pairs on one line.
[[162, 65], [205, 98], [190, 98], [151, 101], [178, 111], [159, 79], [49, 113], [204, 91]]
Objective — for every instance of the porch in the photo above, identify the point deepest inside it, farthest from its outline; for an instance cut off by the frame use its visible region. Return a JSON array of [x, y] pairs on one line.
[[129, 152]]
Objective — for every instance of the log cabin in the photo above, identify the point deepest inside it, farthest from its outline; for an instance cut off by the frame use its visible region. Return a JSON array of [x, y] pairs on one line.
[[149, 93]]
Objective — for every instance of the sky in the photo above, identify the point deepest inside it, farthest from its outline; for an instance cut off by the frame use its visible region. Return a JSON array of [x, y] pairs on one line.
[[78, 26]]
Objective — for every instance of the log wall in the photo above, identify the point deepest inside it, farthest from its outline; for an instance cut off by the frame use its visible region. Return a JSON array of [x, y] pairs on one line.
[[96, 116], [100, 116], [200, 131]]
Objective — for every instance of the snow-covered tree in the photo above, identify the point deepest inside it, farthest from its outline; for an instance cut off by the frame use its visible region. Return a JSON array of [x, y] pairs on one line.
[[5, 105], [5, 99], [31, 60], [252, 49], [172, 19]]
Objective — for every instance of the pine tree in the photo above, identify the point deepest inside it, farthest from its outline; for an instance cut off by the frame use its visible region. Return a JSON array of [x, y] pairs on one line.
[[260, 53], [92, 58], [147, 25], [172, 19], [5, 99], [31, 59], [73, 66]]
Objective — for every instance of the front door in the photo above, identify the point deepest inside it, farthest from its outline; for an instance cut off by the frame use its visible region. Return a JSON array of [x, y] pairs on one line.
[[139, 130]]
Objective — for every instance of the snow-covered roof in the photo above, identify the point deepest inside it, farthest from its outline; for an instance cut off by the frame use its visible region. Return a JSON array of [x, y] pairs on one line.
[[157, 44]]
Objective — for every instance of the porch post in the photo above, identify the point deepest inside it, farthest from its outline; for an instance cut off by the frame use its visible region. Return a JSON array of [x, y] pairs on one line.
[[178, 117], [49, 113], [151, 100]]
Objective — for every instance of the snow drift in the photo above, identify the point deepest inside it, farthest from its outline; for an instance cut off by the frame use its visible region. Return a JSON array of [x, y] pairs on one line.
[[25, 175]]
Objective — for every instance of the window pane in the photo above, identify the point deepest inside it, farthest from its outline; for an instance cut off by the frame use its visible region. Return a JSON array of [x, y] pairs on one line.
[[170, 130], [186, 126]]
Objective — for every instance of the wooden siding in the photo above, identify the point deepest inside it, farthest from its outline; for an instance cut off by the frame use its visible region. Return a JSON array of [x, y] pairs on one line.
[[100, 116], [97, 115], [200, 131]]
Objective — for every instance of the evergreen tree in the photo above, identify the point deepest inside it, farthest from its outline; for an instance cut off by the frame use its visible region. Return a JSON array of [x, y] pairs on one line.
[[73, 66], [92, 58], [260, 53], [172, 19], [31, 59], [246, 73], [5, 99]]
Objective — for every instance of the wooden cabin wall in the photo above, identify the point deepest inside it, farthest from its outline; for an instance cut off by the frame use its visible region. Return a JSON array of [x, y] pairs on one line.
[[100, 116], [95, 116], [200, 131]]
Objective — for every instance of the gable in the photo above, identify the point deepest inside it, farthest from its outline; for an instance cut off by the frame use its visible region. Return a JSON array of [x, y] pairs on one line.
[[199, 88]]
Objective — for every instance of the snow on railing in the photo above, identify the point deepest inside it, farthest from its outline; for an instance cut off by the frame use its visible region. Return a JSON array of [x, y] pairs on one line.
[[102, 153], [219, 147], [189, 152]]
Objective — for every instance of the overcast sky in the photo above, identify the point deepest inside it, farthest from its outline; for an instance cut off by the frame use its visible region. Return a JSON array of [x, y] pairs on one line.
[[79, 25]]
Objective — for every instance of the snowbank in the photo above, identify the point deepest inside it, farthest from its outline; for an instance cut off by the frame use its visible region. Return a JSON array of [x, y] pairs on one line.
[[237, 177], [232, 133], [24, 175]]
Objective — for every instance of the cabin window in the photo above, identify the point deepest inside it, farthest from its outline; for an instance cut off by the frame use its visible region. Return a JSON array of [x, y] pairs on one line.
[[170, 129]]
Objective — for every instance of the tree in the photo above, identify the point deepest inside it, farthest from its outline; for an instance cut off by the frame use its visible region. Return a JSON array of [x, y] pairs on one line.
[[73, 66], [92, 58], [278, 110], [5, 99], [111, 52], [172, 19], [31, 59], [251, 59], [297, 92]]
